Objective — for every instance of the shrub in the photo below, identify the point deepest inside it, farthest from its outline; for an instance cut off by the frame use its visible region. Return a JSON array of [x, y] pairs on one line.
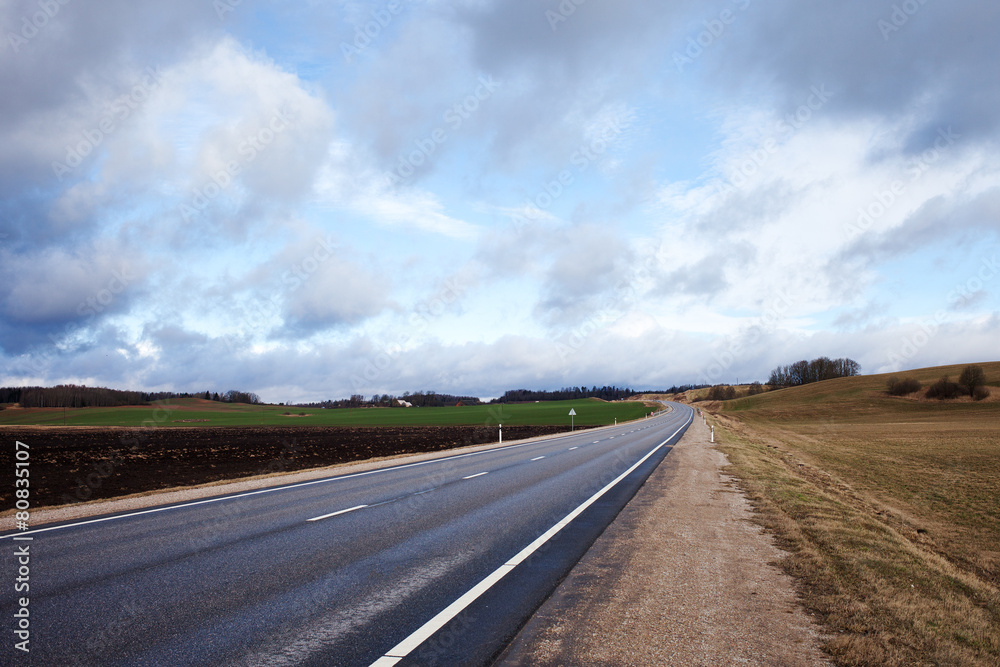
[[903, 386], [755, 388], [721, 392], [979, 393], [944, 389]]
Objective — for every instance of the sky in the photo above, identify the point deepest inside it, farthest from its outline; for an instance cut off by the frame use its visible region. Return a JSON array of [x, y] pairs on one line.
[[316, 199]]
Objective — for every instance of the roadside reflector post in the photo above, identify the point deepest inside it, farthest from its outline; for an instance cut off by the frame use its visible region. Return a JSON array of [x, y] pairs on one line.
[[713, 433], [501, 434]]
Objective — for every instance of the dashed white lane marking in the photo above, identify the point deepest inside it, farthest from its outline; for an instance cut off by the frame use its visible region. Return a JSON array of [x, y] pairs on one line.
[[478, 474], [572, 448], [538, 458], [327, 516], [408, 645], [273, 489]]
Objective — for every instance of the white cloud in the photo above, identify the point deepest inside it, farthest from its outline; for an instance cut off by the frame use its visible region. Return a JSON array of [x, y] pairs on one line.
[[349, 182], [806, 187], [803, 215], [58, 286]]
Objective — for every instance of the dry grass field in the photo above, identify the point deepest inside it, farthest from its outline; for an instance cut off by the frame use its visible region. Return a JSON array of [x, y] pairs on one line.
[[889, 507]]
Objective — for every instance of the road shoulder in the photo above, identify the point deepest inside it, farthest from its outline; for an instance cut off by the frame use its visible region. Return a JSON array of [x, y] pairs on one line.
[[681, 577]]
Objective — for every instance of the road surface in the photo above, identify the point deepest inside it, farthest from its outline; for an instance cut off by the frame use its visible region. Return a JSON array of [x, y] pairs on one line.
[[436, 562]]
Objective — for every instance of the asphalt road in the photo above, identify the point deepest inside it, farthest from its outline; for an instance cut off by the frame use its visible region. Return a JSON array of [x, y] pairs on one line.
[[438, 562]]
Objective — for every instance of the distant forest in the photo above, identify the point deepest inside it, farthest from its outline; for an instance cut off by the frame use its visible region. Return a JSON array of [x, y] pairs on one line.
[[806, 372], [80, 396], [564, 394], [76, 396]]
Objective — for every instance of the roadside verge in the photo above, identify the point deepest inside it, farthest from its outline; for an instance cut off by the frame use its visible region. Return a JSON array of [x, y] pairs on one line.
[[682, 576]]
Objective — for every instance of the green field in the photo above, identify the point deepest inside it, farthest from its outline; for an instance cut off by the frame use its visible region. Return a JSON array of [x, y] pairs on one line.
[[198, 412]]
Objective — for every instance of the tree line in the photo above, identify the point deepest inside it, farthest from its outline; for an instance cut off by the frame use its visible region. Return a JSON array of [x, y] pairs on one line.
[[423, 399], [679, 389], [565, 394], [78, 396], [431, 399], [806, 372], [232, 396]]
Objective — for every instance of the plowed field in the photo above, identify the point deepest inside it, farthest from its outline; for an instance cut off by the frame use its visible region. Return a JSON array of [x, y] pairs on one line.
[[75, 464]]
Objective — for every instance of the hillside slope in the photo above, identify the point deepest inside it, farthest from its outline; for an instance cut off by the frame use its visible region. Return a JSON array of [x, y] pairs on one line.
[[890, 508]]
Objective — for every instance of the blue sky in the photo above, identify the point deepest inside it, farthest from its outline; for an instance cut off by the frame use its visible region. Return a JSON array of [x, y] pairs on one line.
[[310, 200]]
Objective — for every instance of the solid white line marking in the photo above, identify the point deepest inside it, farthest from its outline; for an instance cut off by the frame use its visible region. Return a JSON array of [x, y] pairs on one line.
[[405, 647], [478, 474], [279, 488], [538, 458], [327, 516], [325, 480]]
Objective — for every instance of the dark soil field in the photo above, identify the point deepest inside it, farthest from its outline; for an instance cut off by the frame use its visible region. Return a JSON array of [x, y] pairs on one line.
[[70, 465]]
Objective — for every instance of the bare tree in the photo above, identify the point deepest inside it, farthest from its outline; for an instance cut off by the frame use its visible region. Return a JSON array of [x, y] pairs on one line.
[[972, 378]]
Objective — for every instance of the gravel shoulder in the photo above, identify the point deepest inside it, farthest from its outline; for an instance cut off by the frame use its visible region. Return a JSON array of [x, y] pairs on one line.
[[682, 577]]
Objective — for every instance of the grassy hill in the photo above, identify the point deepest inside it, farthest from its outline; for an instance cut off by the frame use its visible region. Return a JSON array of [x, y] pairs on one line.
[[866, 394], [199, 412], [889, 506]]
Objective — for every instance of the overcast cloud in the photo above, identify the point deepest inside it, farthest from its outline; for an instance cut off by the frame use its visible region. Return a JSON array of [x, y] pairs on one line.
[[359, 197]]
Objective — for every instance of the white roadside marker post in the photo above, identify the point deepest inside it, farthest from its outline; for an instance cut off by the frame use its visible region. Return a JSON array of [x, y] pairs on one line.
[[501, 434], [713, 433]]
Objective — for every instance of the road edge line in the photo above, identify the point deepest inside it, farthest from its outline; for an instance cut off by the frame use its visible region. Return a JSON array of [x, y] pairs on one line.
[[424, 632], [272, 489]]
